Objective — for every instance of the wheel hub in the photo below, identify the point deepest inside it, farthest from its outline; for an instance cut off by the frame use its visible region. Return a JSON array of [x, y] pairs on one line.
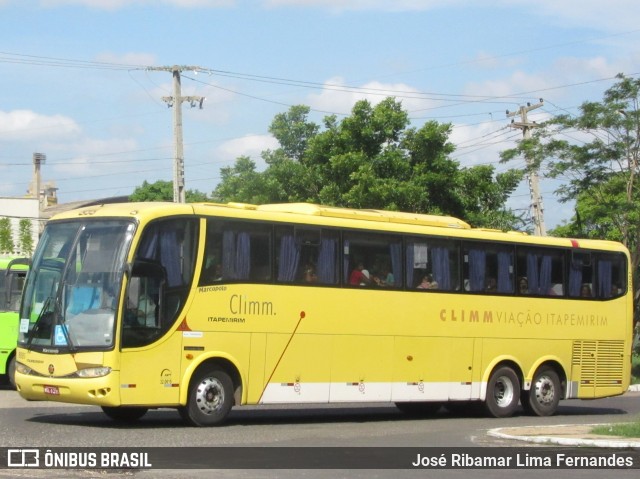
[[504, 391], [210, 396], [544, 390]]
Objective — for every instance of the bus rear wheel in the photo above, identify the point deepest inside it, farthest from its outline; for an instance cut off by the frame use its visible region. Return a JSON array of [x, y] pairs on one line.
[[543, 397], [503, 392], [125, 413], [210, 398]]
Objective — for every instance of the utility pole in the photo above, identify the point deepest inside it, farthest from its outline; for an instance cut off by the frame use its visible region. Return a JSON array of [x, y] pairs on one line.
[[534, 190], [175, 101]]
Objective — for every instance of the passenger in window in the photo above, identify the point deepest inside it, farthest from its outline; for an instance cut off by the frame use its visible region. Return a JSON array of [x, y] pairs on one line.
[[310, 275], [614, 290], [523, 286], [556, 290], [359, 276], [386, 278], [212, 272], [585, 292], [428, 282], [492, 285]]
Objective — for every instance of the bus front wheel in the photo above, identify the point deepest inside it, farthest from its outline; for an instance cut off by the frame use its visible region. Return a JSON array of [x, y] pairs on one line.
[[543, 397], [11, 372], [503, 392], [210, 398]]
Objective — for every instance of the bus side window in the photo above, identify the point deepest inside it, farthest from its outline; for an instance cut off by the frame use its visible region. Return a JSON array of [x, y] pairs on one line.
[[542, 270], [488, 268], [236, 251], [432, 264], [610, 275], [372, 260]]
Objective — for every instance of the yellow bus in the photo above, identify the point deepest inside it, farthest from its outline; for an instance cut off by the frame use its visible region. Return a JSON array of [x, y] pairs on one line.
[[202, 307]]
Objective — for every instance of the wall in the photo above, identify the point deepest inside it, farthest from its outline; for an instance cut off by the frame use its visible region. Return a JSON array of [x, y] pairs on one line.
[[17, 208]]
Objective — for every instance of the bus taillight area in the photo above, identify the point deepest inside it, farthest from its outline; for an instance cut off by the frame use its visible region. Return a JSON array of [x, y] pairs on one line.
[[61, 379]]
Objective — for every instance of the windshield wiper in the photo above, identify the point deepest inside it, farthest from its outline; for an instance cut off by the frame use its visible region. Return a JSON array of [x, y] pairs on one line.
[[55, 318], [36, 326]]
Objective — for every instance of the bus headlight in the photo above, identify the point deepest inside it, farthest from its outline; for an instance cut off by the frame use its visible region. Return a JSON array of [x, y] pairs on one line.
[[22, 368], [93, 372]]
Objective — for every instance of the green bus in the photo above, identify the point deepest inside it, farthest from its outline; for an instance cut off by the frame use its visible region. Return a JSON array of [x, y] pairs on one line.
[[12, 275]]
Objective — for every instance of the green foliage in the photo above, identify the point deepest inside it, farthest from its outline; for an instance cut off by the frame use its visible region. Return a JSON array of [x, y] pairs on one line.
[[163, 191], [6, 236], [25, 236], [370, 159]]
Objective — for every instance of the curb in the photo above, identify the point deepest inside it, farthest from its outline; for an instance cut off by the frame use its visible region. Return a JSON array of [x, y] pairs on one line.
[[555, 437]]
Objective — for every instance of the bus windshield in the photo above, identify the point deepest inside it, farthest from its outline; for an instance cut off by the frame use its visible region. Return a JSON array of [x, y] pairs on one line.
[[71, 293]]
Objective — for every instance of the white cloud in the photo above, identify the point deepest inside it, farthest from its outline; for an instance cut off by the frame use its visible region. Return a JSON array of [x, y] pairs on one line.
[[250, 145], [337, 97], [88, 156], [613, 15], [26, 125], [118, 4], [384, 5]]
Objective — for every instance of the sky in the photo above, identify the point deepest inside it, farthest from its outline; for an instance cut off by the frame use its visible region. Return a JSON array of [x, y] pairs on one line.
[[82, 81]]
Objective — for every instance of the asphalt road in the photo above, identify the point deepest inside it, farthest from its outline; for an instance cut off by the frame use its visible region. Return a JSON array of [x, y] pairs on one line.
[[43, 424]]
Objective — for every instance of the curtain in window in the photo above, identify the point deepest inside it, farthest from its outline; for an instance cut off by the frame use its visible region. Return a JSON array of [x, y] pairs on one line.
[[327, 261], [170, 257], [604, 278], [228, 255], [575, 277], [243, 256], [289, 259], [441, 267], [532, 273], [236, 255], [395, 251], [409, 263], [505, 285], [544, 281], [162, 245], [539, 278], [148, 247], [477, 267]]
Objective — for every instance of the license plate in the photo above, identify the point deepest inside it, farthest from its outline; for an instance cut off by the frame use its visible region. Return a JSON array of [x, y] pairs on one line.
[[52, 390]]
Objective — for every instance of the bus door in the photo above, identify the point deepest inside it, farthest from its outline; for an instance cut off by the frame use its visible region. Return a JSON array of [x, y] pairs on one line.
[[158, 287]]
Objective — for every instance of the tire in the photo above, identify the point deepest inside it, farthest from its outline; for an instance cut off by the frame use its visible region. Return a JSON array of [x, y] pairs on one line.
[[125, 413], [543, 397], [503, 392], [210, 398], [11, 372], [419, 408]]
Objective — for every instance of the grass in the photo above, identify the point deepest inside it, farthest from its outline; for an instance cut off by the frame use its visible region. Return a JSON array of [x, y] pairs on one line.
[[631, 429]]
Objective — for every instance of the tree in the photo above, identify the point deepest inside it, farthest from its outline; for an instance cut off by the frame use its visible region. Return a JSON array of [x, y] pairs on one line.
[[6, 236], [600, 167], [25, 236], [370, 159], [163, 191]]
